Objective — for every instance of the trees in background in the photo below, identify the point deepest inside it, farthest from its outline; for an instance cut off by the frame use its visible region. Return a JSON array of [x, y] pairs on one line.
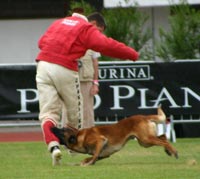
[[129, 26], [182, 41]]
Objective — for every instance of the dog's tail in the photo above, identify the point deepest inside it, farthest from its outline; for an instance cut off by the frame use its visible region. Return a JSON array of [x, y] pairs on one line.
[[160, 117]]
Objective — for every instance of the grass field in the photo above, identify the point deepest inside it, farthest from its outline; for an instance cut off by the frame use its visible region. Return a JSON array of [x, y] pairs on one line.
[[32, 161]]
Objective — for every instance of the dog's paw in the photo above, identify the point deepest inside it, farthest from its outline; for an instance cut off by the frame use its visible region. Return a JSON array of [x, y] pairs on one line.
[[176, 155], [84, 164], [87, 162], [168, 152]]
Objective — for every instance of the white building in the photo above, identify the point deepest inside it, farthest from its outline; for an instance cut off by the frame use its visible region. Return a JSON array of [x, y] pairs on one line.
[[19, 37]]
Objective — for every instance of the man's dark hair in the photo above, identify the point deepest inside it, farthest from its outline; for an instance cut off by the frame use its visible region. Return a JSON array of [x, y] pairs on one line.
[[79, 10], [98, 18]]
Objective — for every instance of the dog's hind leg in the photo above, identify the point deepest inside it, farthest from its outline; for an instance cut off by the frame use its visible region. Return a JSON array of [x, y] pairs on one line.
[[167, 149], [159, 141]]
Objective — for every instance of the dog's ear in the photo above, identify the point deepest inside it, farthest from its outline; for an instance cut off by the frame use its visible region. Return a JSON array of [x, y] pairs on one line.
[[72, 139], [60, 134]]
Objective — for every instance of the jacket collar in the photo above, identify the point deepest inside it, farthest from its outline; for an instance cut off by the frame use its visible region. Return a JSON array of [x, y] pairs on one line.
[[80, 16]]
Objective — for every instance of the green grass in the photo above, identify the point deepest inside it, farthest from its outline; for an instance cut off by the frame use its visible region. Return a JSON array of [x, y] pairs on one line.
[[31, 160]]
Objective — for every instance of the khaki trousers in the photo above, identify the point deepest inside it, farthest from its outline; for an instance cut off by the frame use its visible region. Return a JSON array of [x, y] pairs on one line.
[[58, 86], [88, 104]]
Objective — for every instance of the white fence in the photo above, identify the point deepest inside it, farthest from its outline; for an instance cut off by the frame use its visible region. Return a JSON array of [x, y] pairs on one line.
[[181, 120]]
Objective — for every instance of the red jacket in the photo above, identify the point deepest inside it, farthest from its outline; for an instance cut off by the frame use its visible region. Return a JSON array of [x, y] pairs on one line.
[[67, 39]]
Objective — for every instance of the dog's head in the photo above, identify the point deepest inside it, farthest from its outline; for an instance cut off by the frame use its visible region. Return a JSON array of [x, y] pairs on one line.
[[66, 135]]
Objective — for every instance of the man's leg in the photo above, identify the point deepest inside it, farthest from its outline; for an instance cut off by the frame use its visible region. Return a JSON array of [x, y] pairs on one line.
[[72, 100], [49, 103], [52, 141]]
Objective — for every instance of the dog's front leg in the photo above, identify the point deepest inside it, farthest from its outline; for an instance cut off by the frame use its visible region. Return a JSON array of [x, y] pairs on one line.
[[99, 145]]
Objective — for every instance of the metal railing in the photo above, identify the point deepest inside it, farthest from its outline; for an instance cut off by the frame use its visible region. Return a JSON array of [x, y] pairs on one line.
[[181, 120], [35, 123]]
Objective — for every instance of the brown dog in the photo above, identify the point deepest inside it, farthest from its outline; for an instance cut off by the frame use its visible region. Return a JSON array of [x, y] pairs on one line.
[[102, 141]]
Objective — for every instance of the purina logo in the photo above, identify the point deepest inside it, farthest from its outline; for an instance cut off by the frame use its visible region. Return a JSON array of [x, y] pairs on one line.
[[125, 73]]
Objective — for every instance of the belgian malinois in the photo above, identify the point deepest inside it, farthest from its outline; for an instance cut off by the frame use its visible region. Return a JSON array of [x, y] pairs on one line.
[[104, 140]]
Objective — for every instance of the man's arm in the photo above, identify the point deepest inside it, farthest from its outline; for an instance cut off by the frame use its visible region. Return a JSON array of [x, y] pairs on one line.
[[95, 40]]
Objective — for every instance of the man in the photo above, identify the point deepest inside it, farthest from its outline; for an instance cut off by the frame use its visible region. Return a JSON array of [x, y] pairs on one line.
[[65, 41]]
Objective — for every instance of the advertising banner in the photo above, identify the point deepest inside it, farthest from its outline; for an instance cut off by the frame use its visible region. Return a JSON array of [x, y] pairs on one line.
[[139, 88], [18, 94], [126, 88]]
